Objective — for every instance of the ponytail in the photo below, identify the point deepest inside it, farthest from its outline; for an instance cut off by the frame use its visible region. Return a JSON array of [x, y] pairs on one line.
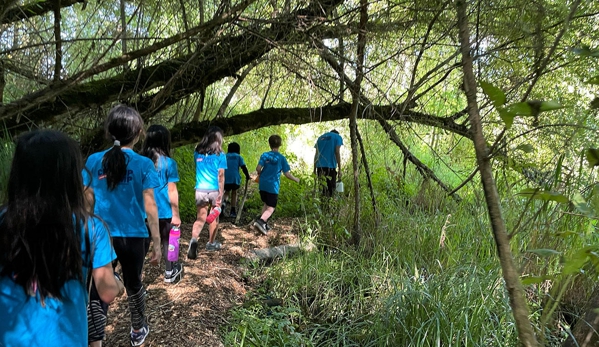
[[123, 125]]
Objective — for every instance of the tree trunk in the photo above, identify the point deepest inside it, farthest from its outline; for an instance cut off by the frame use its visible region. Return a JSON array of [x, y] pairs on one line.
[[58, 39], [353, 117], [511, 275]]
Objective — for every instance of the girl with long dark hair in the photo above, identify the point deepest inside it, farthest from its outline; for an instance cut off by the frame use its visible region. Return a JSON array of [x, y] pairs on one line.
[[157, 146], [49, 243], [211, 163], [121, 190]]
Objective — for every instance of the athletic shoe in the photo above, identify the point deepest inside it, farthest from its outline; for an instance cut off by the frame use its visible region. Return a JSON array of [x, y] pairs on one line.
[[267, 227], [215, 246], [138, 337], [233, 214], [192, 252], [261, 225], [176, 272]]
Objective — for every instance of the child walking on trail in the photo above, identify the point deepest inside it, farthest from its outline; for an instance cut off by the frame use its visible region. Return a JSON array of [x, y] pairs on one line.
[[269, 169], [50, 246], [232, 177], [157, 146], [211, 163], [121, 187]]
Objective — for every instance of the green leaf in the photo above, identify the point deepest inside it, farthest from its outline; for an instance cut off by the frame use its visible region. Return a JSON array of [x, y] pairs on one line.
[[506, 117], [550, 105], [586, 51], [496, 95], [519, 109], [581, 205], [526, 148], [593, 156], [528, 280], [577, 261], [543, 195], [543, 252]]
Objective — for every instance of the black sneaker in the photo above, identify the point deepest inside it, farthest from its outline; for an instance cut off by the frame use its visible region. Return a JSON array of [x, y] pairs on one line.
[[192, 252], [176, 272], [233, 214], [261, 225]]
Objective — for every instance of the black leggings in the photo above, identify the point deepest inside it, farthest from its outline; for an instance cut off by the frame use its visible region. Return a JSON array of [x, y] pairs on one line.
[[330, 175], [164, 225], [131, 253]]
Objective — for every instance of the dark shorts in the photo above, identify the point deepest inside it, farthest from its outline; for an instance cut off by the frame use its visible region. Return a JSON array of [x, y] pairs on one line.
[[270, 199], [231, 186]]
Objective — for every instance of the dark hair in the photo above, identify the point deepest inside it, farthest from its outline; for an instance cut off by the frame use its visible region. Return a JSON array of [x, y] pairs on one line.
[[157, 143], [211, 142], [123, 124], [234, 148], [40, 242], [335, 131], [275, 141]]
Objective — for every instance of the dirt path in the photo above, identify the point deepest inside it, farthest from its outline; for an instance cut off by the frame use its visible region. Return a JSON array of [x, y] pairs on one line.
[[191, 312]]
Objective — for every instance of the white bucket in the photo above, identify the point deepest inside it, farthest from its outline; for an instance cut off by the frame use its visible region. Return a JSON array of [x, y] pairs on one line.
[[339, 187]]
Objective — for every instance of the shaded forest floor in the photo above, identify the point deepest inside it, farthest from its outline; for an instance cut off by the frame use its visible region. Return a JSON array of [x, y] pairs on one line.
[[193, 311]]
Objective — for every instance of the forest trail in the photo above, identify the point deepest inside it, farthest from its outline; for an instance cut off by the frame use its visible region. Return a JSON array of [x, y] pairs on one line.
[[191, 312]]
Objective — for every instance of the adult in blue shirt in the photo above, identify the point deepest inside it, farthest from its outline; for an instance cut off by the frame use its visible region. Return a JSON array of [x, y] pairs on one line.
[[327, 160], [121, 190], [50, 246]]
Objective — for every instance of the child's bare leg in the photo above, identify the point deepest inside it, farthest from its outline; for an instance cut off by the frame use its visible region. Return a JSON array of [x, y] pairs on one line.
[[233, 198], [212, 227], [267, 211], [200, 220]]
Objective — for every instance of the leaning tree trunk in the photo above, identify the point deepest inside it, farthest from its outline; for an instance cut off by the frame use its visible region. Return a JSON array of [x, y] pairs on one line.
[[511, 275]]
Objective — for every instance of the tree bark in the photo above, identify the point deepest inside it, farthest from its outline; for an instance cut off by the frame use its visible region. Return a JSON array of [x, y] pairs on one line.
[[353, 123], [58, 39], [510, 273], [34, 8]]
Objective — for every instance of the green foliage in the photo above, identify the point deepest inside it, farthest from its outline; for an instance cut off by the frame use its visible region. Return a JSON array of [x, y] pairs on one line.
[[6, 152], [186, 186]]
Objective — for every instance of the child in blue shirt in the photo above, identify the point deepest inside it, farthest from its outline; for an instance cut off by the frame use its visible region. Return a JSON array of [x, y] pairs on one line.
[[157, 147], [121, 190], [211, 163], [232, 178], [50, 246], [269, 169]]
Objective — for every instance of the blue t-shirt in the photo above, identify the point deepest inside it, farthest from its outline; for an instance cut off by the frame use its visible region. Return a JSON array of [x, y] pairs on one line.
[[167, 173], [326, 145], [123, 208], [25, 322], [273, 163], [207, 166], [234, 162]]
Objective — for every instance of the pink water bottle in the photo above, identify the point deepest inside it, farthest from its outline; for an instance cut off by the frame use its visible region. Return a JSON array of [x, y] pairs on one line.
[[213, 214], [173, 244]]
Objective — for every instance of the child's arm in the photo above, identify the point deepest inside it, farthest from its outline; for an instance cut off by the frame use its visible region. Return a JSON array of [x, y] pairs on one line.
[[221, 186], [259, 169], [173, 196], [291, 177], [245, 172]]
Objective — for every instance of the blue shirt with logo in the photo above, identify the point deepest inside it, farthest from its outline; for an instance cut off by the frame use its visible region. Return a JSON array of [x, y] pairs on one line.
[[25, 322], [166, 168], [326, 145], [273, 163], [123, 208], [234, 162], [207, 166]]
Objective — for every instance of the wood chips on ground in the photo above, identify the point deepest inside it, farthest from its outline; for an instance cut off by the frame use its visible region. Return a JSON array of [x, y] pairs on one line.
[[193, 311]]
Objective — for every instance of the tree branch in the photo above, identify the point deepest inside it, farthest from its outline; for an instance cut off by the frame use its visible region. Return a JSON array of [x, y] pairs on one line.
[[34, 8]]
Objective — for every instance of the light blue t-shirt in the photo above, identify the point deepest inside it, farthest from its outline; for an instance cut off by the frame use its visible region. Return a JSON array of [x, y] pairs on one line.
[[207, 166], [25, 322], [123, 208], [167, 173], [234, 162], [326, 145], [273, 163]]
